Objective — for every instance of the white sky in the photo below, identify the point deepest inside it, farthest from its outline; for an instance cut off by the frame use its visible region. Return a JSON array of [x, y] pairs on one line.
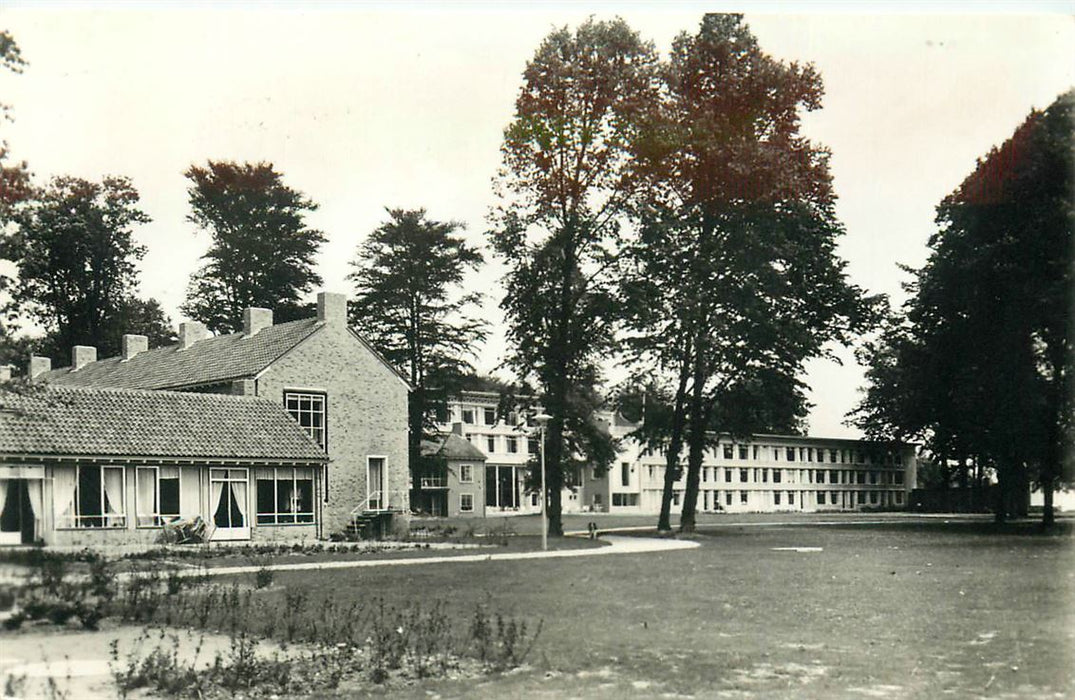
[[366, 106]]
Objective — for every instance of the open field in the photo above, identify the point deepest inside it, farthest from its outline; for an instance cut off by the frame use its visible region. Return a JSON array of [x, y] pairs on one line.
[[904, 609]]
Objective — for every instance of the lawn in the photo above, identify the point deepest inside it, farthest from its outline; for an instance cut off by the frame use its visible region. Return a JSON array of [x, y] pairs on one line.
[[903, 609]]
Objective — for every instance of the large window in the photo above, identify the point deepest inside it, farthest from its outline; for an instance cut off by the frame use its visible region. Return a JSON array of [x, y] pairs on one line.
[[625, 499], [156, 495], [625, 474], [513, 445], [309, 411], [285, 495], [90, 496]]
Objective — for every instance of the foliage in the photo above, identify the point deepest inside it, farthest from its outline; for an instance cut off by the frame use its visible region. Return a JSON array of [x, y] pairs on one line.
[[262, 251], [76, 255], [566, 183], [734, 280], [407, 276], [979, 364]]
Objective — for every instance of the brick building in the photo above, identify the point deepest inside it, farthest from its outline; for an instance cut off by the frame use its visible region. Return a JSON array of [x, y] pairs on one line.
[[350, 405]]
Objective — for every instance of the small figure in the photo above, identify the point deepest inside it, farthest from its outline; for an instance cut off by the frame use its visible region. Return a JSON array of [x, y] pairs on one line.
[[593, 530]]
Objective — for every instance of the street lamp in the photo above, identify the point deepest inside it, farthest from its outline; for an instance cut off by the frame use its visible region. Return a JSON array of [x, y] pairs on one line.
[[543, 420]]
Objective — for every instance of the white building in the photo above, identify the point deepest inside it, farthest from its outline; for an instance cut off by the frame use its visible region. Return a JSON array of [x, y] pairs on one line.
[[762, 473]]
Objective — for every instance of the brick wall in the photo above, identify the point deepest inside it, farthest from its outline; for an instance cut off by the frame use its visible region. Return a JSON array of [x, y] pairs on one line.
[[367, 415]]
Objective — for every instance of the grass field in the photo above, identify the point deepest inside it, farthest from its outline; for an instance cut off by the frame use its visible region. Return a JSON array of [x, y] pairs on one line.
[[906, 608]]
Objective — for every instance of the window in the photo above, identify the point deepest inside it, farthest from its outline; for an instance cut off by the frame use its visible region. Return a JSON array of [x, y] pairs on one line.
[[898, 478], [764, 475], [705, 473], [791, 498], [728, 475], [513, 445], [625, 474], [776, 476], [728, 498], [675, 498], [156, 495], [90, 496], [834, 476], [790, 453], [834, 498], [862, 497], [860, 477], [743, 497], [651, 471], [873, 477], [468, 416], [728, 454], [776, 498], [873, 497], [285, 495], [309, 411], [899, 498], [466, 503], [820, 476], [832, 456], [757, 451], [490, 416], [742, 452], [490, 444], [744, 474], [466, 473], [625, 499]]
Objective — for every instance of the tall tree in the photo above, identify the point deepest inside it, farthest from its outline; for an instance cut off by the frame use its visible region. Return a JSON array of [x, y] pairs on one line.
[[740, 232], [76, 257], [566, 183], [262, 251], [14, 176], [408, 303], [980, 363]]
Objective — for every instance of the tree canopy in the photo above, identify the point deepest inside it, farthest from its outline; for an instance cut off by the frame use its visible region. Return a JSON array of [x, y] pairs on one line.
[[979, 363], [409, 303], [566, 184], [262, 252]]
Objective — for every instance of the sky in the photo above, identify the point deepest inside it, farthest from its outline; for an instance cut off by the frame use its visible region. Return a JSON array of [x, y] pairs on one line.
[[364, 106]]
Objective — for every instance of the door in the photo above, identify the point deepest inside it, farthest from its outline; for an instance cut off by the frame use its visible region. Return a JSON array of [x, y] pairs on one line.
[[375, 493], [229, 503], [17, 521]]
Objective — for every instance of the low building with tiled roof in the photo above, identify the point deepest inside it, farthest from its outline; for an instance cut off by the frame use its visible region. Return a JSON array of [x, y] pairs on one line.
[[287, 431], [452, 478]]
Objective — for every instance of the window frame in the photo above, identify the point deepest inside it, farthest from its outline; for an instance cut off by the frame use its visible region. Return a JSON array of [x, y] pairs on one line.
[[259, 514], [313, 394], [158, 517], [77, 518], [466, 473], [462, 501]]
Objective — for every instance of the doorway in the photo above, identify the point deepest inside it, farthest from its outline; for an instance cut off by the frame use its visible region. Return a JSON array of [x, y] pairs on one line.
[[229, 499], [18, 520]]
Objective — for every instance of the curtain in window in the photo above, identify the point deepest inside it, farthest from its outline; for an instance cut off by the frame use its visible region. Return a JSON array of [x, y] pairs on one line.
[[238, 494], [3, 495], [64, 481], [146, 497], [216, 490], [113, 483], [33, 488]]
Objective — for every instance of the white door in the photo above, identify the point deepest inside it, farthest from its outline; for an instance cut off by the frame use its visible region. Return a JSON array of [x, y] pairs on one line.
[[229, 503], [376, 497]]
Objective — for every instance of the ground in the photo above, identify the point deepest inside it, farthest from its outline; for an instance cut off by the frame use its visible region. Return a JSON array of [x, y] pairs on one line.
[[787, 606]]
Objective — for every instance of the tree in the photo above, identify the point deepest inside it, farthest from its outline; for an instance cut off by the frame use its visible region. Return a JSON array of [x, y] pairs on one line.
[[262, 251], [407, 277], [566, 183], [76, 256], [737, 240], [979, 365]]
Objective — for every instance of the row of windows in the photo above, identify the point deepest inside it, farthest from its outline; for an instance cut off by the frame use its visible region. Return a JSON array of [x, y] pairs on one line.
[[479, 415], [807, 454], [761, 475], [499, 444], [713, 499], [91, 496]]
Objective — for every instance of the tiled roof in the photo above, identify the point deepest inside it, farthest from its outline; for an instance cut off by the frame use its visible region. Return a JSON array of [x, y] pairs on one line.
[[49, 420], [214, 359], [452, 447]]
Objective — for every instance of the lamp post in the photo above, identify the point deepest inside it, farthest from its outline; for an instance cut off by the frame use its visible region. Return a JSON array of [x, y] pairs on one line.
[[543, 419]]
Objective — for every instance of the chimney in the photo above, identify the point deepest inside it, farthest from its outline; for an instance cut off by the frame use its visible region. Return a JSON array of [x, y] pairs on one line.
[[39, 365], [254, 319], [82, 355], [134, 344], [457, 428], [332, 309], [190, 332], [5, 372]]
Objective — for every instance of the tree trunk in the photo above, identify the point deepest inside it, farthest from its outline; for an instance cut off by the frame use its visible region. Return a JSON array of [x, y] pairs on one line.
[[696, 438], [554, 476], [675, 443], [1048, 517]]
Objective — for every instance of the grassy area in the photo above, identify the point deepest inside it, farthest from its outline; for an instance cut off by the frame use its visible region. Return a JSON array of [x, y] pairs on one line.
[[903, 609]]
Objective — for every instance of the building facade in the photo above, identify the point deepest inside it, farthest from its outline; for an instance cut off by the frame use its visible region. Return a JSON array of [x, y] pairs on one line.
[[317, 372], [762, 473]]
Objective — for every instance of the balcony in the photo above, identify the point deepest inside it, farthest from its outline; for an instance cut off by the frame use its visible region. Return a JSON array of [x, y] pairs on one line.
[[433, 482]]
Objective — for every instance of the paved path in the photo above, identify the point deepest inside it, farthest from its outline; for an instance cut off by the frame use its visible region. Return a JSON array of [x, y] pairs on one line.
[[616, 545]]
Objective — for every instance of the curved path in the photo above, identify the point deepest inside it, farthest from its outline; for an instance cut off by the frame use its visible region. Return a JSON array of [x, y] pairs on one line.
[[616, 545]]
